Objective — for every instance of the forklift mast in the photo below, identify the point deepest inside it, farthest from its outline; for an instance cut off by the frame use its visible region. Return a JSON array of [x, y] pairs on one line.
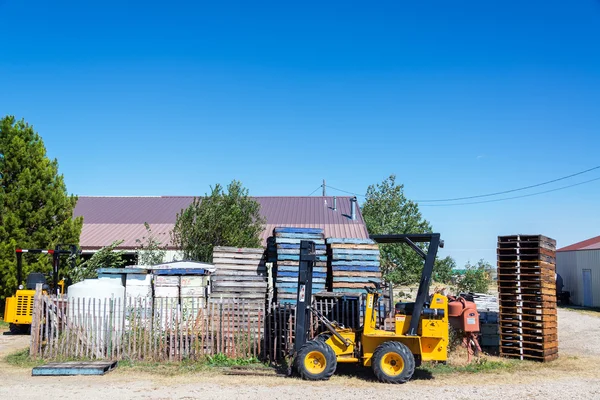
[[423, 293], [304, 297]]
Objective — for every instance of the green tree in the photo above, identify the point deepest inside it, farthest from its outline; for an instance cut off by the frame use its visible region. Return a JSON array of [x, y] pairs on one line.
[[106, 257], [223, 218], [150, 250], [443, 269], [36, 210], [386, 210], [476, 278]]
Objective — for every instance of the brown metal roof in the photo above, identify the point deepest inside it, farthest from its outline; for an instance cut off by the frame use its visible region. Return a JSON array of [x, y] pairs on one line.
[[122, 218], [590, 244]]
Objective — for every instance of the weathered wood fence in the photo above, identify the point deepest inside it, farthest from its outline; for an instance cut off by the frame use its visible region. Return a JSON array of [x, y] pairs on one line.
[[142, 329], [160, 329]]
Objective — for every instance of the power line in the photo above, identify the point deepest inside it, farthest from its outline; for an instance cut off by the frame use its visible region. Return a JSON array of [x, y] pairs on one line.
[[320, 186], [509, 191], [510, 198], [345, 191]]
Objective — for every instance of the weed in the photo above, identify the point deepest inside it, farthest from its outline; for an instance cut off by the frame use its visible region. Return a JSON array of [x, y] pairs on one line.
[[479, 365], [21, 359], [221, 360]]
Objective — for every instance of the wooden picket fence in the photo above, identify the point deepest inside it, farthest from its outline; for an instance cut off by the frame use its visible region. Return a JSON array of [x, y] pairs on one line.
[[143, 329]]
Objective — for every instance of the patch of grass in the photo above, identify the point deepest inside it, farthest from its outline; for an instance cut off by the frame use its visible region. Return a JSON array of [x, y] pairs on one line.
[[21, 359], [480, 365], [210, 363], [3, 325], [591, 311]]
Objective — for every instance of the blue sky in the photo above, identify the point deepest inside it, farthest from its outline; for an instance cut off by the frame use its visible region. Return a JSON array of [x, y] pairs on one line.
[[456, 98]]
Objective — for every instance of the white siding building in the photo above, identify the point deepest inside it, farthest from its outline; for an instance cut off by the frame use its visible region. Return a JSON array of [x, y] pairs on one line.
[[579, 267]]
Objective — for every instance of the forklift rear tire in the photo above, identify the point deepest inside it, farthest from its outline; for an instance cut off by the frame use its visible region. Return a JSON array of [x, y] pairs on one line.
[[393, 362], [18, 329], [316, 361]]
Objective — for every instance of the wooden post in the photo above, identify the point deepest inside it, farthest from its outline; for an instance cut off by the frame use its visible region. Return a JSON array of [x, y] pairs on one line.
[[35, 321]]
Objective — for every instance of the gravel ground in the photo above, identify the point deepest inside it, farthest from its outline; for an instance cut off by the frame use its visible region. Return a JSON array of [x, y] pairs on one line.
[[573, 376]]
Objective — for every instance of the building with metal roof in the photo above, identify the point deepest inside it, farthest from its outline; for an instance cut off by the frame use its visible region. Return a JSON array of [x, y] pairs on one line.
[[579, 267], [106, 219]]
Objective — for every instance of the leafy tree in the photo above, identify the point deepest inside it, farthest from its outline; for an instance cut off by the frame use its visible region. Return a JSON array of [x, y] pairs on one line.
[[35, 209], [106, 257], [387, 211], [476, 278], [150, 251], [223, 218], [443, 270]]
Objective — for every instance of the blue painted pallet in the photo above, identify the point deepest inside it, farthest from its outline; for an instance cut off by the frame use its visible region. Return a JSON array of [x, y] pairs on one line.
[[295, 274], [294, 280], [297, 241], [355, 263], [294, 263], [294, 285], [344, 252], [296, 257], [355, 268], [349, 290], [295, 290], [349, 241], [355, 279], [295, 269], [297, 246], [297, 251], [298, 230], [355, 257], [74, 368], [300, 237]]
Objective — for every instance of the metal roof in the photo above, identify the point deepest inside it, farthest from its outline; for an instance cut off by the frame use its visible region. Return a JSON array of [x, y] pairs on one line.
[[590, 244], [106, 219]]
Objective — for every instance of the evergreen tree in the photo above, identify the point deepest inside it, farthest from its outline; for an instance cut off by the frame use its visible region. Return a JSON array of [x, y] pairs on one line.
[[36, 210]]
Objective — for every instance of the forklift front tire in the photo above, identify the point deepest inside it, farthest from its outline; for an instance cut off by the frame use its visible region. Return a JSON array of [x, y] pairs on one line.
[[393, 362], [316, 361]]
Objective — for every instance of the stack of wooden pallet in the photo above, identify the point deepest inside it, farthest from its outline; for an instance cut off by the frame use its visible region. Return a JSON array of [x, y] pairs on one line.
[[240, 274], [354, 264], [527, 290], [287, 244]]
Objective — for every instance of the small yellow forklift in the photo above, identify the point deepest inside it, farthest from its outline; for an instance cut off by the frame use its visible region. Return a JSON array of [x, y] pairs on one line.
[[420, 334], [18, 309]]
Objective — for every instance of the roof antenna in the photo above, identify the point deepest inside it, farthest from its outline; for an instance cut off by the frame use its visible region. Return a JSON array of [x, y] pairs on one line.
[[324, 189]]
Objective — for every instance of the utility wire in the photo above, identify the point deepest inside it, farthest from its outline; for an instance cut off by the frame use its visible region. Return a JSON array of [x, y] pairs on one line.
[[345, 191], [320, 186], [509, 191], [510, 198]]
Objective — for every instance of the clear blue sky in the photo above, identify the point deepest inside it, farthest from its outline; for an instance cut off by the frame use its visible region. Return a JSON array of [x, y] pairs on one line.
[[456, 98]]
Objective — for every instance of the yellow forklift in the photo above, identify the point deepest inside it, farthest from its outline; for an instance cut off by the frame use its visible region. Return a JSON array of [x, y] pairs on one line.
[[420, 334], [18, 309]]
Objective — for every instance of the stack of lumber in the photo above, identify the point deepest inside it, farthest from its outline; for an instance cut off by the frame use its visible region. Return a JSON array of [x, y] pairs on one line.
[[354, 264], [240, 274], [527, 290], [287, 245]]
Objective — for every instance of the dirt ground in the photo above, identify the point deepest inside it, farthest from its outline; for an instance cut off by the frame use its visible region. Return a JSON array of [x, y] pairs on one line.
[[573, 376]]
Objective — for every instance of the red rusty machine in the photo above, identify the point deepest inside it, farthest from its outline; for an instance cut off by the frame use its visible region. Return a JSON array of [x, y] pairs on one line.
[[463, 316]]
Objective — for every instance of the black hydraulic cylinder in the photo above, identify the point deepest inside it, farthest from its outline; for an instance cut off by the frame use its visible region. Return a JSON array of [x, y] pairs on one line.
[[55, 264], [304, 297], [19, 268]]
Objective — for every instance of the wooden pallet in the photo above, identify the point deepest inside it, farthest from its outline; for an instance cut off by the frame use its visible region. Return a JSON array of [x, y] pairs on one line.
[[74, 368]]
